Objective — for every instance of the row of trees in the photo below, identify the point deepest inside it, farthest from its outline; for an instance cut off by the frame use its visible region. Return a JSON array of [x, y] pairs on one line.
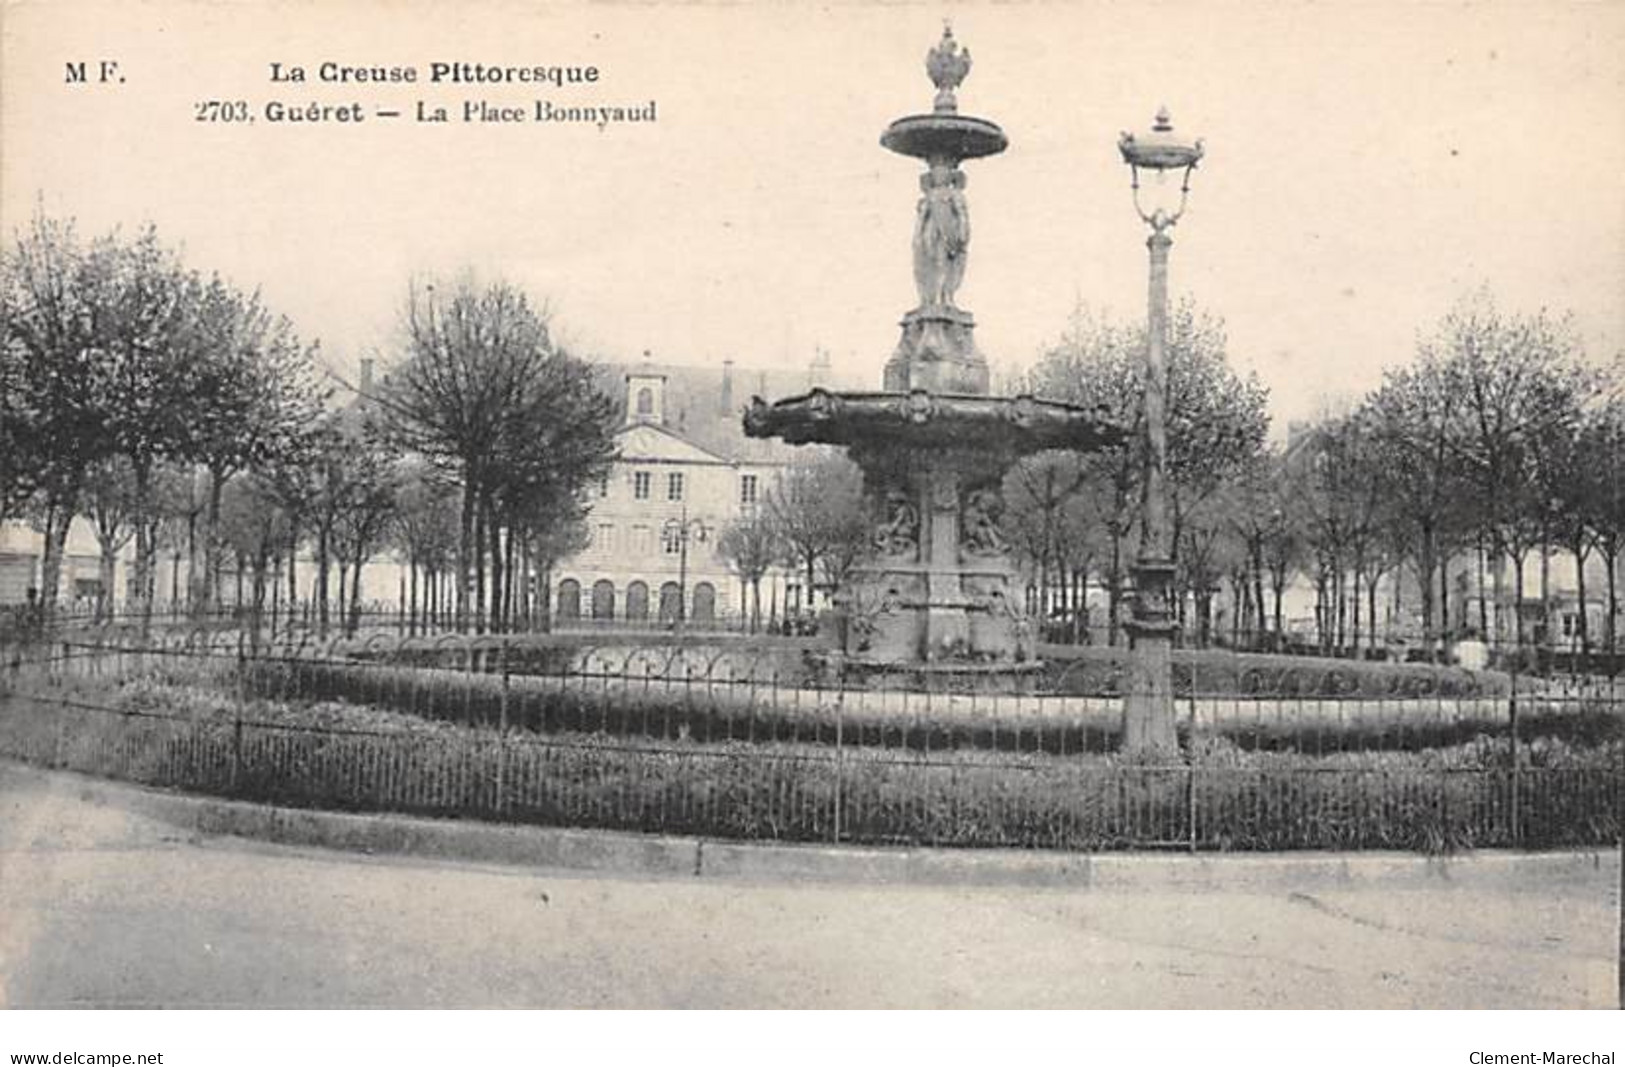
[[1074, 519], [169, 407], [1498, 445], [813, 520], [122, 372]]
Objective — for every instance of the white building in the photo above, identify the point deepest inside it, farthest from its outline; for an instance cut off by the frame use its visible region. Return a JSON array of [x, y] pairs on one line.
[[685, 465]]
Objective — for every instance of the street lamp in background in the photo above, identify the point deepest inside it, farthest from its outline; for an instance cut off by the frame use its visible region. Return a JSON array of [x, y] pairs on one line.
[[1148, 710], [682, 530]]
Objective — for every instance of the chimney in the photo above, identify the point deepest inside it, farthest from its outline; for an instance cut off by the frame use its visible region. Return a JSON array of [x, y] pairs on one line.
[[818, 370], [726, 401], [366, 377]]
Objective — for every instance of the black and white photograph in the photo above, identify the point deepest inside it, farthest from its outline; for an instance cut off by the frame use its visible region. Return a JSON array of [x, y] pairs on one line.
[[562, 505]]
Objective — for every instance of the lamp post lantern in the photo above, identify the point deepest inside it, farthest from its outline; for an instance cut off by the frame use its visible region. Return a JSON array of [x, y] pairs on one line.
[[682, 530], [1148, 710]]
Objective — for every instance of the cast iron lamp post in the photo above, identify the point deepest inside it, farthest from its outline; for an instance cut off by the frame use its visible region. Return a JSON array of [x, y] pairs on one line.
[[682, 530], [1148, 710]]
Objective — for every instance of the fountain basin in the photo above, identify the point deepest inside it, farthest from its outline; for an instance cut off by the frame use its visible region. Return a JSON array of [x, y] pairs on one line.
[[944, 137], [919, 418], [936, 591]]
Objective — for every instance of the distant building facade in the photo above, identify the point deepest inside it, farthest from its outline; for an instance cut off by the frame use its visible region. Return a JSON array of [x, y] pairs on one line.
[[685, 472]]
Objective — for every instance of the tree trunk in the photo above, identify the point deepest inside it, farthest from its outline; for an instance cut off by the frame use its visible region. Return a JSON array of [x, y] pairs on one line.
[[1611, 627], [146, 548], [257, 608], [355, 593], [1114, 593], [411, 604], [465, 557], [1279, 589], [1359, 577], [58, 518], [1483, 604], [1424, 574], [1371, 608], [343, 569], [205, 599], [293, 574], [544, 595], [1257, 563], [1583, 629], [493, 529], [1498, 584], [1549, 640], [276, 592], [479, 566], [323, 563], [107, 573], [1517, 594]]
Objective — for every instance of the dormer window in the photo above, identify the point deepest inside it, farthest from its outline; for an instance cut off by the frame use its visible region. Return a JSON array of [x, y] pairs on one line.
[[646, 403]]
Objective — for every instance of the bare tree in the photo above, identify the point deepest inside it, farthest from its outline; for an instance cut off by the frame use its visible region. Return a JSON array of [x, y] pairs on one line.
[[818, 510], [750, 545], [482, 393]]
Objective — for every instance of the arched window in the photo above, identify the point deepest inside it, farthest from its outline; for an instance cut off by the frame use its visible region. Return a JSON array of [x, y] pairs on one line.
[[637, 602], [603, 599], [646, 401], [705, 603], [670, 598], [569, 600]]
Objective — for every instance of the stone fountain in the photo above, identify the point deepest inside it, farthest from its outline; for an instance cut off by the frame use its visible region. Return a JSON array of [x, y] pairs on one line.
[[937, 593]]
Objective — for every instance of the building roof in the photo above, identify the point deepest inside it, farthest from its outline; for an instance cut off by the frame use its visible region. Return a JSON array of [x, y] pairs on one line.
[[703, 407]]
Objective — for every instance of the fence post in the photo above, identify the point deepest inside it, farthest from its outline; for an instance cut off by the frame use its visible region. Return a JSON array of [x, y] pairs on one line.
[[840, 709], [1190, 767], [1514, 785], [237, 717], [502, 734]]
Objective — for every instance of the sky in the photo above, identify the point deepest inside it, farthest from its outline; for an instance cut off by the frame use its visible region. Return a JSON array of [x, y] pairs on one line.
[[1367, 165]]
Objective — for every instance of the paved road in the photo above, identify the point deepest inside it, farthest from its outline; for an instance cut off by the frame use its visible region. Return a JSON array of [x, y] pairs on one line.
[[102, 908]]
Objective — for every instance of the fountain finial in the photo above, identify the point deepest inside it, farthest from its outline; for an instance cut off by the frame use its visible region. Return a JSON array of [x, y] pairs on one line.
[[948, 64]]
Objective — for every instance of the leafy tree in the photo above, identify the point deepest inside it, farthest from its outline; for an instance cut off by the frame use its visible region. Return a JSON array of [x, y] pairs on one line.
[[19, 459], [255, 524], [364, 487], [111, 503], [1051, 518], [257, 399], [1413, 420], [52, 284], [1216, 418], [1603, 497], [154, 385], [1519, 385]]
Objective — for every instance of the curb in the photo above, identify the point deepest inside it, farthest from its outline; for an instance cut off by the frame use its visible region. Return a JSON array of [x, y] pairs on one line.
[[616, 852]]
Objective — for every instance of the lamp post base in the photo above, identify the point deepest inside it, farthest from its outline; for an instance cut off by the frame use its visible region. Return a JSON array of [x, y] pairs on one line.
[[1148, 705]]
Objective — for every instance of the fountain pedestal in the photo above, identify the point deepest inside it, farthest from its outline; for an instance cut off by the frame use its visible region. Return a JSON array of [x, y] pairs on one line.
[[937, 352]]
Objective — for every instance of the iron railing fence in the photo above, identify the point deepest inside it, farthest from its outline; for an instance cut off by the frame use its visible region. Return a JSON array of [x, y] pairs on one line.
[[758, 743]]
